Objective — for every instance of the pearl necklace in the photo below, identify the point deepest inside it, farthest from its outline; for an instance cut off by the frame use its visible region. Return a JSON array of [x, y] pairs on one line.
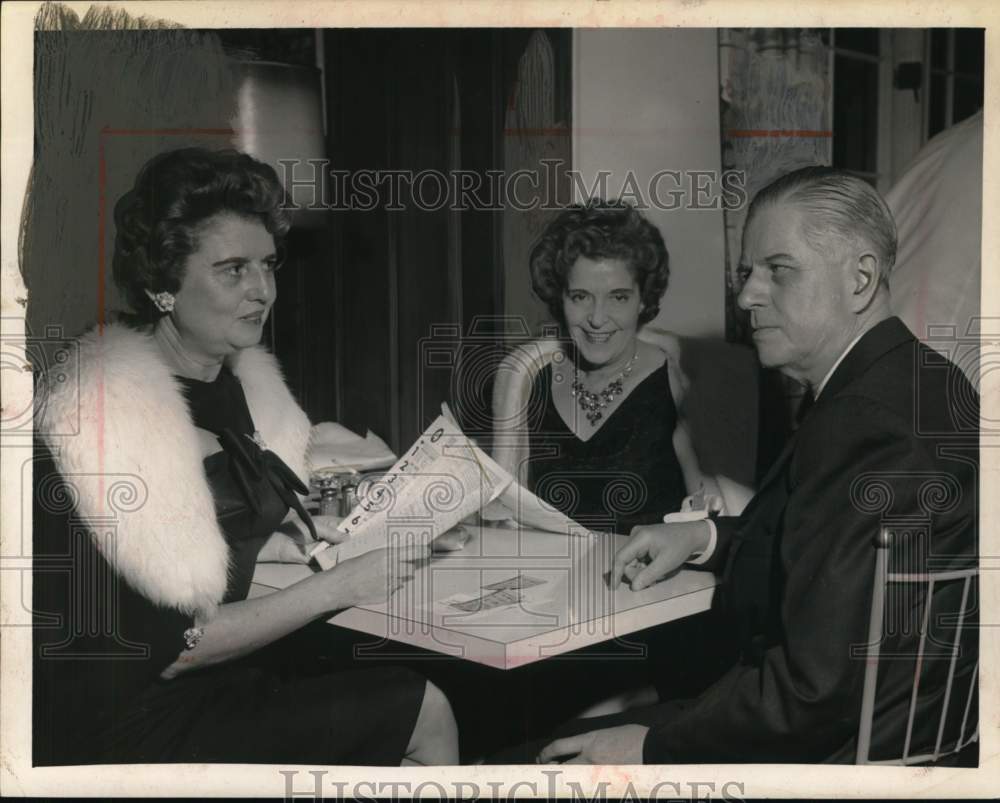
[[593, 404]]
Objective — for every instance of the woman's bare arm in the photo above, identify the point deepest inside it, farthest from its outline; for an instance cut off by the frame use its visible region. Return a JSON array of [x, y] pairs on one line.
[[241, 627], [695, 480]]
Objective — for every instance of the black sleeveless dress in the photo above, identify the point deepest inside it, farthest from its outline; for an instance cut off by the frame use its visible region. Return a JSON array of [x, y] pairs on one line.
[[98, 696], [626, 474]]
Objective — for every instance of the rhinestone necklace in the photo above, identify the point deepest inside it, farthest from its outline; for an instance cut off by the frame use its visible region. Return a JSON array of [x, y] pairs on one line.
[[593, 404]]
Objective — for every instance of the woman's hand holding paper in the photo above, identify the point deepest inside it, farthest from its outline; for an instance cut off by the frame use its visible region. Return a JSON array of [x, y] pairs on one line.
[[451, 541], [326, 529], [282, 547]]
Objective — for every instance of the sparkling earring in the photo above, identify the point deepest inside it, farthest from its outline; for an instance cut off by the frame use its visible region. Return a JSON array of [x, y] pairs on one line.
[[164, 301]]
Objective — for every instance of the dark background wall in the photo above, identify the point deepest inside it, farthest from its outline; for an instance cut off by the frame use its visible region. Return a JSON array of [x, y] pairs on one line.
[[362, 292], [375, 292]]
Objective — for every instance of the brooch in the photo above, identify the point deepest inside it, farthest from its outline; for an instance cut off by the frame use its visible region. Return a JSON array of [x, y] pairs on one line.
[[258, 439]]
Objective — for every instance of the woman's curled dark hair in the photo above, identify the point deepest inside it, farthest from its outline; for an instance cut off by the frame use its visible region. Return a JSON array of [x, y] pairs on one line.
[[600, 229], [158, 220]]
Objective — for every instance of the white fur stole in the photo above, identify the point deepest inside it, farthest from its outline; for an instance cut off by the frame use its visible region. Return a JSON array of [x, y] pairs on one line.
[[135, 462]]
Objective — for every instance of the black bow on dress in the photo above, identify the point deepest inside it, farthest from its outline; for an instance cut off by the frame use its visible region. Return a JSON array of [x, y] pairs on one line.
[[250, 463]]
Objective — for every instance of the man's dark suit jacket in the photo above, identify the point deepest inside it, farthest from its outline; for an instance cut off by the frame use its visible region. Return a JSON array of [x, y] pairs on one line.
[[892, 439]]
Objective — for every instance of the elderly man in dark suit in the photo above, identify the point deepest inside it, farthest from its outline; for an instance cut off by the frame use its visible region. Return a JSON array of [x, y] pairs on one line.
[[892, 434]]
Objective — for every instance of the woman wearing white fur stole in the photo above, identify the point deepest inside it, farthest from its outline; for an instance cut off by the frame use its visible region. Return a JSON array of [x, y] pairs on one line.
[[176, 452]]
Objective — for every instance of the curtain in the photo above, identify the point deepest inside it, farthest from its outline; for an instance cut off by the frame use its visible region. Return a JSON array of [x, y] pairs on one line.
[[776, 112], [531, 133], [776, 97], [111, 91]]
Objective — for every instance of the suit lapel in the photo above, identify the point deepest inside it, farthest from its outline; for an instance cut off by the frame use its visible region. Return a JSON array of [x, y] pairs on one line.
[[750, 567], [882, 337], [779, 464], [775, 471]]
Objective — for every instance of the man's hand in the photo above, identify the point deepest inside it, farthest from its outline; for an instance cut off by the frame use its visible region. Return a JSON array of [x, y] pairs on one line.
[[621, 745], [652, 552]]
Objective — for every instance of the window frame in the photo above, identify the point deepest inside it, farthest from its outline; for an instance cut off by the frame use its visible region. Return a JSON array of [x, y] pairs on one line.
[[881, 177]]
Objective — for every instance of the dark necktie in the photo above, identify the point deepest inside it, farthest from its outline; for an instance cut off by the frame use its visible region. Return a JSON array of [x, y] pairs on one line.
[[808, 400]]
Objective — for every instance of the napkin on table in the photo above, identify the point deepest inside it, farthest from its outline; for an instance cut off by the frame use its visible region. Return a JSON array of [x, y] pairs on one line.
[[332, 445]]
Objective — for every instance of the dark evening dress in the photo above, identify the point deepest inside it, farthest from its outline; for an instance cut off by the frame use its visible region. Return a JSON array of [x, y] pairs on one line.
[[626, 474], [99, 698]]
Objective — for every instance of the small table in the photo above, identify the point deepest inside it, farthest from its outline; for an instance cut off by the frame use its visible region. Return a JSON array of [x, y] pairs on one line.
[[564, 603]]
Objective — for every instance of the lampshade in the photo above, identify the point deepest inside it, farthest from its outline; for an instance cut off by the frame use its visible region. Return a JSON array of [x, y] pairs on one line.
[[280, 117]]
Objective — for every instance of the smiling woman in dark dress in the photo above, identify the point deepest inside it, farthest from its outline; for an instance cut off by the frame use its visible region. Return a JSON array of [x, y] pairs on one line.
[[600, 432], [608, 445], [167, 465]]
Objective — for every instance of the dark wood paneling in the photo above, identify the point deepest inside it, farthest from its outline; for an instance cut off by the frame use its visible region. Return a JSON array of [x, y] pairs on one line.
[[303, 320], [399, 274], [481, 101], [359, 103], [422, 141]]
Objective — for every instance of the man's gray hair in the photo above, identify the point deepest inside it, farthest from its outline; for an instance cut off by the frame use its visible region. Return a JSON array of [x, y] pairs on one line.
[[841, 205]]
